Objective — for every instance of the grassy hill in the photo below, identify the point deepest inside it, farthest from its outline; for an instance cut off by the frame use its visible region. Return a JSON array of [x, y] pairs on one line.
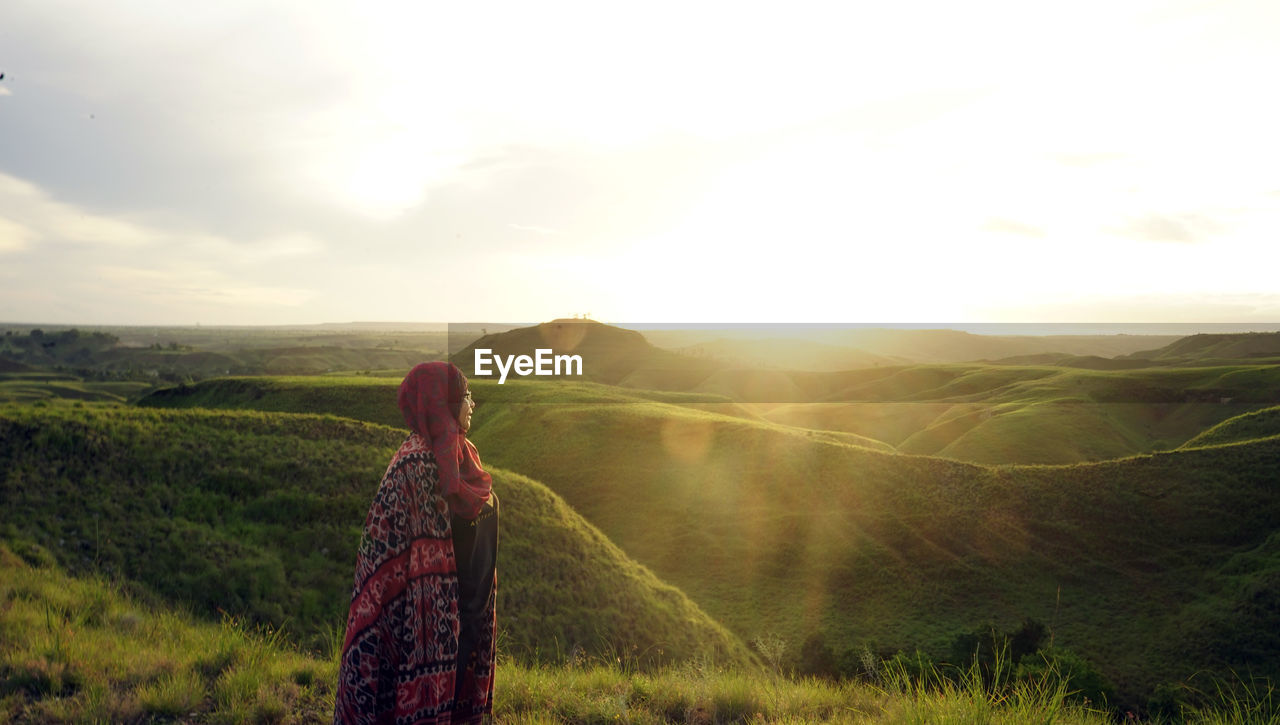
[[1027, 413], [796, 535], [786, 354], [910, 345], [259, 514], [33, 385], [1258, 424], [779, 531], [1065, 409], [1234, 346]]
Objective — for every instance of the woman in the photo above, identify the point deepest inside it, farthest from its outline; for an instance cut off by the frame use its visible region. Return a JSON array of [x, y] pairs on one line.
[[419, 646]]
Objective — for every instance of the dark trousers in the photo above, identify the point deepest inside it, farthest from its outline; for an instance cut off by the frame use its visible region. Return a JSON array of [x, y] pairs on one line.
[[475, 547]]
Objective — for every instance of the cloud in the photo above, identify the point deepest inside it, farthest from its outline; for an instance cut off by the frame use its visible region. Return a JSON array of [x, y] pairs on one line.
[[64, 261], [536, 230], [26, 207], [1009, 226], [14, 236], [187, 285], [1178, 228], [1088, 159], [1257, 307], [31, 217]]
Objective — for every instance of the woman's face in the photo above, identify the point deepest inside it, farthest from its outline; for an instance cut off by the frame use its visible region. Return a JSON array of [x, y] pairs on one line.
[[464, 411]]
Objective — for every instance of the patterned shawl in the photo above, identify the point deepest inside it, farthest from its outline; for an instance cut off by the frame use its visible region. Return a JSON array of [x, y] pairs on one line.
[[399, 656]]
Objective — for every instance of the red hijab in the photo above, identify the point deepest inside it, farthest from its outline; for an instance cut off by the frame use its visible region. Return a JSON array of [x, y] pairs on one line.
[[429, 398]]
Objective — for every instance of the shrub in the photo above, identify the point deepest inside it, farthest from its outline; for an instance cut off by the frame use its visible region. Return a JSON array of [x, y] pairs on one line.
[[995, 653], [1083, 681], [816, 658]]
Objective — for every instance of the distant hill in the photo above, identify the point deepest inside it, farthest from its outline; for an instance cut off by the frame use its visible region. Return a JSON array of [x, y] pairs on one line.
[[787, 354], [1237, 346], [266, 360], [1087, 362], [910, 345], [12, 366], [1029, 414], [259, 514], [42, 385], [957, 346], [973, 412], [172, 355]]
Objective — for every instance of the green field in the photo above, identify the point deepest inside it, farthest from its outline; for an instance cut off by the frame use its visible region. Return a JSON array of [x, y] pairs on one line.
[[1123, 514], [123, 364], [800, 532], [26, 387]]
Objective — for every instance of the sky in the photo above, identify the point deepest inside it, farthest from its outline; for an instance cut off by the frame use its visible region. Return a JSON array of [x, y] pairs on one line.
[[306, 162]]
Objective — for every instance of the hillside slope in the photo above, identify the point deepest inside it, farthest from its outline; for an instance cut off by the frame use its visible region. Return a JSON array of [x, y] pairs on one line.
[[1250, 426], [795, 535], [912, 345], [775, 530], [1232, 346], [1029, 413], [260, 514]]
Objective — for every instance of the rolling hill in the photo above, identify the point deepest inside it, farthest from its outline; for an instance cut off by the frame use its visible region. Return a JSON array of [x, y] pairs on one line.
[[1217, 347], [259, 515], [41, 385], [775, 530], [787, 354], [1250, 426], [796, 535], [1028, 414], [1042, 408], [906, 345]]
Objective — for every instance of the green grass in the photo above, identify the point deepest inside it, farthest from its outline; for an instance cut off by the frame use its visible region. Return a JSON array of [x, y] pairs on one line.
[[259, 515], [81, 650], [1257, 424], [775, 530]]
